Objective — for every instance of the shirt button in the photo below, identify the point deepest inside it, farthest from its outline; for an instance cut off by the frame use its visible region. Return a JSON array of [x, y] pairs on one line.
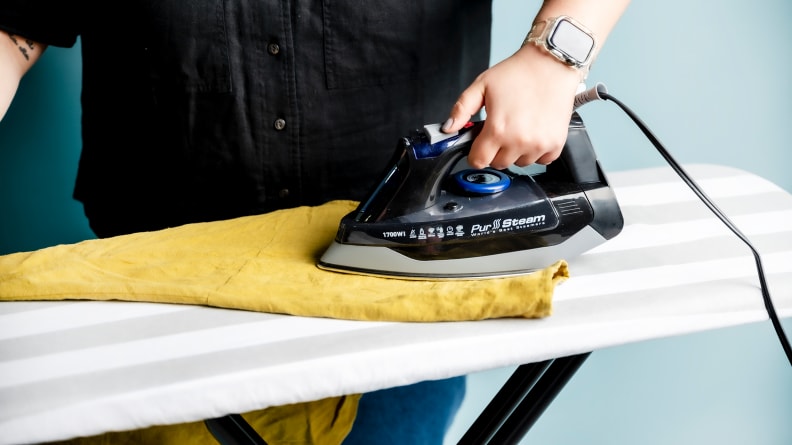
[[273, 48], [283, 193], [279, 124]]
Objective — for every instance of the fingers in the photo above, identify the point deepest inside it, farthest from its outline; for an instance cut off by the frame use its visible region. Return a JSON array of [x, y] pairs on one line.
[[469, 103], [484, 150], [501, 146], [546, 158]]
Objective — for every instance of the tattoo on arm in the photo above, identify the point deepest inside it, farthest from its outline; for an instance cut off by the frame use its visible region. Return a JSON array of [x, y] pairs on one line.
[[28, 45]]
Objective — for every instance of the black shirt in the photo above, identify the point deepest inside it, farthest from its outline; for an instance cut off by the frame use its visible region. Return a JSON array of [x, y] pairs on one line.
[[202, 110]]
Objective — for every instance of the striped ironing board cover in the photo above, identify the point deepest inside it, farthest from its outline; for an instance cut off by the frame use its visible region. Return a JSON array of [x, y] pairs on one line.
[[82, 368]]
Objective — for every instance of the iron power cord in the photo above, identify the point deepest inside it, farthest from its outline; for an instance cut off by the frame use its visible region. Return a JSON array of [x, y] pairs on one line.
[[599, 91]]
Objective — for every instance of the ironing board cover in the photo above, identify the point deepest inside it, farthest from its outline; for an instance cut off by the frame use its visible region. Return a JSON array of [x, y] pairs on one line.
[[88, 367]]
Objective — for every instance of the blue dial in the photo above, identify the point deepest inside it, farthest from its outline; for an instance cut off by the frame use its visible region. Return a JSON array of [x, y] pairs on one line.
[[482, 182]]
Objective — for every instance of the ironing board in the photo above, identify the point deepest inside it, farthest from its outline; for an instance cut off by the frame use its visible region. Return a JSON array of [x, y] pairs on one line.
[[83, 368]]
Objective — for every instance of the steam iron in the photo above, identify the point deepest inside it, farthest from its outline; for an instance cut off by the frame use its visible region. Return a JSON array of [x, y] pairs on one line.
[[430, 217]]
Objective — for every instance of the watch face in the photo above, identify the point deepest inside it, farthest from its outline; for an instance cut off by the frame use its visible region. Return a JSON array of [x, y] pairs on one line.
[[572, 41]]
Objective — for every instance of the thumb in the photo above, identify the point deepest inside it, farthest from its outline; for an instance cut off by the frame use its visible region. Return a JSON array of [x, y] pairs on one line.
[[469, 103]]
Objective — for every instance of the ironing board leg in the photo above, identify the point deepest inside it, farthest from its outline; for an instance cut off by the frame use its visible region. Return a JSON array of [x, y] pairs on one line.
[[504, 402], [521, 401], [233, 430]]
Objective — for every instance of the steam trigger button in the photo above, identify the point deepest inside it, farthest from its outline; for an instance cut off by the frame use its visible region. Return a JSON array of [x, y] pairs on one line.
[[435, 134]]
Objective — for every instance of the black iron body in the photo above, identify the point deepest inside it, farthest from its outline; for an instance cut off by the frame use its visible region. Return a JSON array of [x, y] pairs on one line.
[[419, 211]]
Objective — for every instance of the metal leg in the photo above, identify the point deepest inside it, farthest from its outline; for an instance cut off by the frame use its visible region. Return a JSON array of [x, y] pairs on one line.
[[521, 401], [233, 430], [504, 402]]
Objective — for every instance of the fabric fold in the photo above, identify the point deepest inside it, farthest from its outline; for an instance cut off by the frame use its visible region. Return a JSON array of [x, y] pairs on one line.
[[322, 422], [264, 263]]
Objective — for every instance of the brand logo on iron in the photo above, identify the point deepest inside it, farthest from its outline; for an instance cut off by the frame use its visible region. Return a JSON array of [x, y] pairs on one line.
[[502, 225], [531, 220]]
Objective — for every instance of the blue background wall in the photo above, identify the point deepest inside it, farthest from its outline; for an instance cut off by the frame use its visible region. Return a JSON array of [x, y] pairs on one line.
[[39, 151], [711, 78]]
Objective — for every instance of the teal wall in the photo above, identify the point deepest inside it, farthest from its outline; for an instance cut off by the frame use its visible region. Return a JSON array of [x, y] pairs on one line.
[[711, 78], [39, 151]]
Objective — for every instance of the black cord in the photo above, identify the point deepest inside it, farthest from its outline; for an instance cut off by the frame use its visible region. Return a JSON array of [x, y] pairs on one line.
[[771, 312]]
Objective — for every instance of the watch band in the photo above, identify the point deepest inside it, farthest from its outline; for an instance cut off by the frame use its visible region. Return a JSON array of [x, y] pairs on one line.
[[542, 35]]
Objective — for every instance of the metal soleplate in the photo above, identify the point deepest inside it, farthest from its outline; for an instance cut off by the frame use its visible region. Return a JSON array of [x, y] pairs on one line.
[[383, 262]]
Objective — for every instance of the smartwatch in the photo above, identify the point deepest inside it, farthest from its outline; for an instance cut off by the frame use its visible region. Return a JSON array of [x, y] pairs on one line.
[[566, 40]]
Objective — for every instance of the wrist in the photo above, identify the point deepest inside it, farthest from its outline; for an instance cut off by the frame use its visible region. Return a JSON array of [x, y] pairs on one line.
[[547, 67]]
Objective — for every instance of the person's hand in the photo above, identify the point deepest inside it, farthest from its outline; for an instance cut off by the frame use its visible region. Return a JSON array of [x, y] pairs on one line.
[[528, 99]]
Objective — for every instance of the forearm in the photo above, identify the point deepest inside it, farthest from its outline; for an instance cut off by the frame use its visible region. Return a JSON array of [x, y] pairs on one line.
[[17, 55]]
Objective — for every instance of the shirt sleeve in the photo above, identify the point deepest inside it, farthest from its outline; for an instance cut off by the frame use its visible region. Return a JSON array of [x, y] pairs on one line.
[[51, 22]]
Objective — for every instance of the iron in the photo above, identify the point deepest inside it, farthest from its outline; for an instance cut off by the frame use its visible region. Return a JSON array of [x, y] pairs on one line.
[[433, 217]]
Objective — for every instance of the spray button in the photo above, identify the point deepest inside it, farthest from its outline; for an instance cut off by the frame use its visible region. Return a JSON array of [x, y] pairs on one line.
[[435, 134]]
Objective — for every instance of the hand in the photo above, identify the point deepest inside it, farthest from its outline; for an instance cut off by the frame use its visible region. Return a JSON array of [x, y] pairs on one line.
[[528, 99]]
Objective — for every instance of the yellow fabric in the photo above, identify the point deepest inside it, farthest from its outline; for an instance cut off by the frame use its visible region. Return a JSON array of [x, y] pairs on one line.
[[261, 263], [323, 422]]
